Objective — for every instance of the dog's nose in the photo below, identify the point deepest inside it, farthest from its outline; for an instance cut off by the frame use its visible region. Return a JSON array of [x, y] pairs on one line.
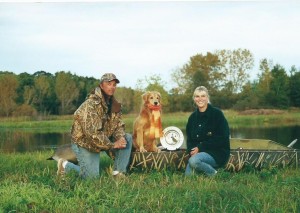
[[155, 103]]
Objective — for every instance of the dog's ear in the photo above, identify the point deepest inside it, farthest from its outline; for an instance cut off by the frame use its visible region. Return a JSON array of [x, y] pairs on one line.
[[158, 94], [145, 96]]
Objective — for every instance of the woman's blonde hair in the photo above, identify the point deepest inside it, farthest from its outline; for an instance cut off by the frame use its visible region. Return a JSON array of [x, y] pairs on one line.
[[200, 89]]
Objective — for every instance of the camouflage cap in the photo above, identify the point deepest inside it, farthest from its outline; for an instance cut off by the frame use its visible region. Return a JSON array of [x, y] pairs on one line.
[[109, 77]]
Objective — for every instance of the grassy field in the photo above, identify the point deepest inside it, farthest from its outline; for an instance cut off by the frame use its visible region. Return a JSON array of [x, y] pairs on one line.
[[28, 183]]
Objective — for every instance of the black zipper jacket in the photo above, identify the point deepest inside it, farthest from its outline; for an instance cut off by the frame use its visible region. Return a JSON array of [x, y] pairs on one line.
[[209, 131]]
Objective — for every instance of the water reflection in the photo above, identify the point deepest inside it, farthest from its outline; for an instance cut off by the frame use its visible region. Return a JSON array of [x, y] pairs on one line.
[[283, 135], [23, 141]]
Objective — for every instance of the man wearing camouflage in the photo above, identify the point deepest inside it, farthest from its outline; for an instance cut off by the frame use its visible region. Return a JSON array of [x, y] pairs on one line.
[[98, 127]]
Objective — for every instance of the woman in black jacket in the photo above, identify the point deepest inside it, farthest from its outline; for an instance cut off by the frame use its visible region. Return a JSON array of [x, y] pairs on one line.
[[207, 136]]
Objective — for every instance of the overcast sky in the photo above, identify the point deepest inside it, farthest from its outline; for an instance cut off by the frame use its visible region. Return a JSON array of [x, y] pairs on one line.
[[136, 39]]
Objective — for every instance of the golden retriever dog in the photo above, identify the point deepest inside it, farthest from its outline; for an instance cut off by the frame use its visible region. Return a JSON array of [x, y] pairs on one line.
[[147, 128]]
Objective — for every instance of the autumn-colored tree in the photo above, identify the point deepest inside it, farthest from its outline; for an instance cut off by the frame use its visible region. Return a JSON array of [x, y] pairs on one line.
[[265, 77], [8, 94], [264, 81], [25, 110], [28, 94], [66, 91]]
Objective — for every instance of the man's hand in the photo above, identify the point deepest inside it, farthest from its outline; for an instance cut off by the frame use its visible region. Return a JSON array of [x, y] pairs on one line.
[[120, 144]]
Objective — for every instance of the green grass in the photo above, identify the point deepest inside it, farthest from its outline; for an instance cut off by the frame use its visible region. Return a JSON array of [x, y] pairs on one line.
[[287, 118], [63, 123], [28, 183]]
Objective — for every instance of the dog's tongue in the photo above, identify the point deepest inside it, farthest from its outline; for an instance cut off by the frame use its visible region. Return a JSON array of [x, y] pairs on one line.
[[154, 107]]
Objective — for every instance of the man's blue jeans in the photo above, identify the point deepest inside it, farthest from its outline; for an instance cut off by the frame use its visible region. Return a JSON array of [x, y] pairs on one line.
[[201, 162], [89, 162]]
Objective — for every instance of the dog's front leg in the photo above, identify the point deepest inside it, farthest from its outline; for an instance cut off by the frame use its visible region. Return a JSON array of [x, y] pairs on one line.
[[140, 138], [142, 149], [154, 145]]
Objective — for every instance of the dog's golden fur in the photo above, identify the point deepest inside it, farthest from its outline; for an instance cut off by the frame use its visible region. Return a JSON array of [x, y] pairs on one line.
[[147, 127]]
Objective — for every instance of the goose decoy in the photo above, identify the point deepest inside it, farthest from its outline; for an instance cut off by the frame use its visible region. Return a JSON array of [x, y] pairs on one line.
[[65, 151]]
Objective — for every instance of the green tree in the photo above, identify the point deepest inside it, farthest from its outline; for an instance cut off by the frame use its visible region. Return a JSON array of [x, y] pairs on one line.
[[8, 94], [45, 100], [248, 98], [224, 98], [278, 95], [42, 92], [66, 91], [179, 102], [125, 96], [26, 85], [235, 66], [152, 83], [85, 86], [200, 70], [295, 87]]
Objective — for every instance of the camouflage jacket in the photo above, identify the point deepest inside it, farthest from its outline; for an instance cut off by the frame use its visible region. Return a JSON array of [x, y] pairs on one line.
[[95, 126]]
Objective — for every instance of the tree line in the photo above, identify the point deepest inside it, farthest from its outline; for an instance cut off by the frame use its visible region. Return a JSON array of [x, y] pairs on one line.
[[224, 72]]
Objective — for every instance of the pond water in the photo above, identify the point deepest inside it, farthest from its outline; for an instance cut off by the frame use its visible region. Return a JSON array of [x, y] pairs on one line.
[[24, 141]]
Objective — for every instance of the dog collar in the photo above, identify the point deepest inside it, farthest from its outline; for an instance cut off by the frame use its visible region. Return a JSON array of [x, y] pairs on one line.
[[154, 107]]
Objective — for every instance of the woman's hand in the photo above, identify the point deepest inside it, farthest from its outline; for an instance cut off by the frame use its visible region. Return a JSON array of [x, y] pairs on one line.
[[120, 144], [194, 150]]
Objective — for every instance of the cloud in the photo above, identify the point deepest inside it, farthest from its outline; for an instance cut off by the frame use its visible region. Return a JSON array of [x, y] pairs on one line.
[[138, 39]]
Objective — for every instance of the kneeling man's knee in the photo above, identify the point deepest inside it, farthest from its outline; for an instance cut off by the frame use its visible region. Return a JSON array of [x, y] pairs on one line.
[[128, 138]]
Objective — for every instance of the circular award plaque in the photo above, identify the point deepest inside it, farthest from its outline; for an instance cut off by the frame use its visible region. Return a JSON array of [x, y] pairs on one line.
[[172, 138]]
